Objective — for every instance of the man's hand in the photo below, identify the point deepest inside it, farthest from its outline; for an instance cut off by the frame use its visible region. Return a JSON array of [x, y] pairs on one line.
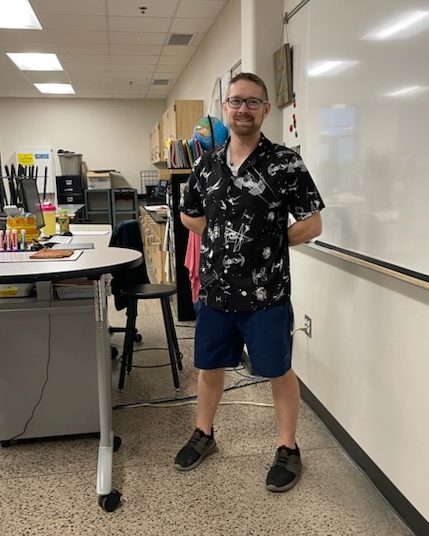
[[304, 230], [197, 225]]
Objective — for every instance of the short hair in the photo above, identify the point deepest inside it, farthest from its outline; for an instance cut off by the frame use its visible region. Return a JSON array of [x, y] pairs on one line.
[[251, 78]]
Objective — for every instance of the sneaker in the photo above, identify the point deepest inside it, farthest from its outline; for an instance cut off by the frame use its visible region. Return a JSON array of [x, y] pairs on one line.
[[196, 449], [285, 470]]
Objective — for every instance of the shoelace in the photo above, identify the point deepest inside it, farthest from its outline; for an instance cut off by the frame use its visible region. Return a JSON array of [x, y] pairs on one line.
[[194, 439], [282, 458]]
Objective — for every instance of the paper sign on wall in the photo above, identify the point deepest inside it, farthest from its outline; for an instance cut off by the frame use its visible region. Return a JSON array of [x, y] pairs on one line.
[[40, 159]]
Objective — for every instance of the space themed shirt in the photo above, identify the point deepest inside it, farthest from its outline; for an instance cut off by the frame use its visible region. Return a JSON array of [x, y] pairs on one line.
[[244, 250]]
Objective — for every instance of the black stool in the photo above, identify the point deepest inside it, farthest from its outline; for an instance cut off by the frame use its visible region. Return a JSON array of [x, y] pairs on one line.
[[148, 291]]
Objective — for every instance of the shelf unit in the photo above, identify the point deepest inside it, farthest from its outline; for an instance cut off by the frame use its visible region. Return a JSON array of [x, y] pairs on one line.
[[111, 206], [177, 122], [124, 205]]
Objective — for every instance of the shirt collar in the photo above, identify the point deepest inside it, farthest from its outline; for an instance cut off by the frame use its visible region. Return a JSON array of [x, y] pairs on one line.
[[221, 152]]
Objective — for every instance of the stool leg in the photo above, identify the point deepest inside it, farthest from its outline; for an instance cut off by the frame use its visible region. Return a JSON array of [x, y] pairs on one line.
[[174, 336], [127, 352], [133, 331], [171, 340]]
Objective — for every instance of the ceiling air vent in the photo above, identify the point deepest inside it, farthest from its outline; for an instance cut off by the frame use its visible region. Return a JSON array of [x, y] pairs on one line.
[[180, 39], [160, 82]]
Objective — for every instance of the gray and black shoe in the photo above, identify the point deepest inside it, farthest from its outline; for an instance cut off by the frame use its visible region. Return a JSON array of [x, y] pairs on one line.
[[285, 470], [196, 449]]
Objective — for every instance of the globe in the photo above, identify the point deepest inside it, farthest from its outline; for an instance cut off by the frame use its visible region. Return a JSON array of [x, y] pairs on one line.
[[210, 132]]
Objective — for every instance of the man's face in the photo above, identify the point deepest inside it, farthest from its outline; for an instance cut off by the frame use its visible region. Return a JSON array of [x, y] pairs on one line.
[[244, 121]]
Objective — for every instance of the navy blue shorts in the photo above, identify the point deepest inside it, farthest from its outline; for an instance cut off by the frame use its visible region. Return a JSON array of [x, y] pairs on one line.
[[220, 337]]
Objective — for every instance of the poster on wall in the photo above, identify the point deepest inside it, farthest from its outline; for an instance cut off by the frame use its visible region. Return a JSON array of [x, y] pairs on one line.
[[283, 75], [41, 160]]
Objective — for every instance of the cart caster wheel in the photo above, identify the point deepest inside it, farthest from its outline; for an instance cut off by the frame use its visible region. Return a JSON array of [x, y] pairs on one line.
[[114, 352], [117, 442], [138, 337], [110, 502], [6, 443]]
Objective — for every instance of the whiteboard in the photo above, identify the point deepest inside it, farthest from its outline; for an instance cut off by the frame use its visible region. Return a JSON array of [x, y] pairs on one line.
[[365, 144]]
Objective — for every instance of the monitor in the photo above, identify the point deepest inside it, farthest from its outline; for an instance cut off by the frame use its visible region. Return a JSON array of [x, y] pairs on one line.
[[31, 200], [161, 189]]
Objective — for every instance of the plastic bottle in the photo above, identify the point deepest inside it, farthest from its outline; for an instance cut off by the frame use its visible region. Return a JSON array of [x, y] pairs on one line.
[[64, 221], [49, 214]]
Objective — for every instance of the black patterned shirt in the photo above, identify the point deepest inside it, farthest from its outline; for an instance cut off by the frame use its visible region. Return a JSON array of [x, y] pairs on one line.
[[244, 250]]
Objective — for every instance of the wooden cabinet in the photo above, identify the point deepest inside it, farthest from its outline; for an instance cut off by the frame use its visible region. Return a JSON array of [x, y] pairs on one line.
[[153, 233], [177, 123], [156, 143]]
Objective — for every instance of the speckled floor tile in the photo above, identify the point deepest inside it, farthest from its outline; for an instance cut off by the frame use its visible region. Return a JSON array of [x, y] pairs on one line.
[[223, 497], [48, 487]]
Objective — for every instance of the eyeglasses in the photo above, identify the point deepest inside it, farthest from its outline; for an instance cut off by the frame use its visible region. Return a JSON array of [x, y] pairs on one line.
[[252, 103]]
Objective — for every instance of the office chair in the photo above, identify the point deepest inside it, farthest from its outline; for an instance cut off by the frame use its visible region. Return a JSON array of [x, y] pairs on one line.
[[126, 235], [128, 288]]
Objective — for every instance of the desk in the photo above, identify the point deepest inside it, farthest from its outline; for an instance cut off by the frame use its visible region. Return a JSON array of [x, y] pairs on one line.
[[94, 264]]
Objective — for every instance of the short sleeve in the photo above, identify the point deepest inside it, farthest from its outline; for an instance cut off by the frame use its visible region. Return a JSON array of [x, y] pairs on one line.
[[303, 197]]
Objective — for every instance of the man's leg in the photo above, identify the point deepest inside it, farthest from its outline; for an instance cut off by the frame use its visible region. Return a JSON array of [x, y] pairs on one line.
[[286, 397], [286, 467], [209, 393], [202, 443]]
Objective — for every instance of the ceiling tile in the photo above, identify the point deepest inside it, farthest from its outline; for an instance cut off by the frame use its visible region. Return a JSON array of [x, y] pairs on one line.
[[198, 9], [173, 60], [69, 7], [135, 24], [136, 50], [81, 48], [188, 25], [133, 60], [73, 22], [77, 36], [178, 50], [138, 38], [130, 8]]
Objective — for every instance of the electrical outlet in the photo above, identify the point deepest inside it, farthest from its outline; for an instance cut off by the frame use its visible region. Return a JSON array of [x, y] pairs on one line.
[[308, 325]]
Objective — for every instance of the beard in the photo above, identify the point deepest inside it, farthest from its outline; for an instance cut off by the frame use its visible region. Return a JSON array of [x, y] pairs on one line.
[[245, 125]]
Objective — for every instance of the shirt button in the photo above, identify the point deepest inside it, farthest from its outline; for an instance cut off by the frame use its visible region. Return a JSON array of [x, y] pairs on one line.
[[225, 271], [227, 247], [243, 293]]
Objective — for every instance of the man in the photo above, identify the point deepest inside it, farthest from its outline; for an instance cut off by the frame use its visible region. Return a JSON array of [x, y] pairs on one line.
[[238, 198]]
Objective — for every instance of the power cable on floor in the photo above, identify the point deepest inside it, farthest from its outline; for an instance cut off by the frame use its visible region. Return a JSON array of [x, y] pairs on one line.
[[192, 398]]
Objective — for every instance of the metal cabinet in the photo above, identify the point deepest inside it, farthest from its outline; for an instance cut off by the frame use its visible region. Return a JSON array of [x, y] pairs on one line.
[[111, 205]]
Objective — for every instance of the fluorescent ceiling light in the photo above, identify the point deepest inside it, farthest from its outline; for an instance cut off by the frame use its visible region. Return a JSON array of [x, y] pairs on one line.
[[55, 89], [35, 61], [18, 14], [329, 68], [409, 91], [407, 21]]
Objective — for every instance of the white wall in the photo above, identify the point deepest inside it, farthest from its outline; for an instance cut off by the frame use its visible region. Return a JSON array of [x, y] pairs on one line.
[[368, 359], [110, 133]]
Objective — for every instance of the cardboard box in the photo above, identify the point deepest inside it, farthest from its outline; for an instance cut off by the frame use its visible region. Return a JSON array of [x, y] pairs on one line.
[[98, 180]]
